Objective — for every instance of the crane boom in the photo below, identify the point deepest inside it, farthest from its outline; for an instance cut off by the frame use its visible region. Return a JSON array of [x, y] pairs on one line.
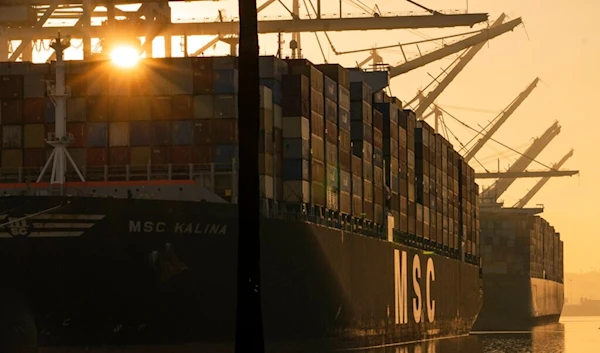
[[269, 26], [527, 174], [453, 48], [464, 60], [501, 120], [501, 185], [538, 186]]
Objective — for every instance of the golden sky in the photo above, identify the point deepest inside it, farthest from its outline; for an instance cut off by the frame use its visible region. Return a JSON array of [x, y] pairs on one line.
[[559, 43]]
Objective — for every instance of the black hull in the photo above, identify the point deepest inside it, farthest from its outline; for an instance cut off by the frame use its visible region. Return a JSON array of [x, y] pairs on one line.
[[118, 272], [514, 302]]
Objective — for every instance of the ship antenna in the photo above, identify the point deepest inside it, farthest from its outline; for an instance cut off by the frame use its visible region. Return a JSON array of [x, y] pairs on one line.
[[59, 139]]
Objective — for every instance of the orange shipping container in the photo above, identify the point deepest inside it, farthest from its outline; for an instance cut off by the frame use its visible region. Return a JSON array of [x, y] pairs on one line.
[[34, 136], [34, 158], [118, 156], [78, 131], [118, 109], [139, 109], [12, 159], [139, 156], [96, 156], [160, 108]]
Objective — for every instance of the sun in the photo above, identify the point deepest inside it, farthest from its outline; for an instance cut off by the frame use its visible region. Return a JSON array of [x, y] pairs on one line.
[[125, 56]]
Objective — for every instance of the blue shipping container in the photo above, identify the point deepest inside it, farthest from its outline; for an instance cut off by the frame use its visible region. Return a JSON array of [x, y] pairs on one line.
[[49, 112], [296, 169], [271, 67], [160, 133], [275, 86], [225, 106], [226, 81], [139, 133], [182, 133], [388, 110], [97, 134], [224, 154]]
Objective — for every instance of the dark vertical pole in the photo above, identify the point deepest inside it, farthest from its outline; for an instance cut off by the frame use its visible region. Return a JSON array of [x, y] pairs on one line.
[[249, 329]]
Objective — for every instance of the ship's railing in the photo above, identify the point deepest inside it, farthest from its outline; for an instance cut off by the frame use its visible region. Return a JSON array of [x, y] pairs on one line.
[[219, 178]]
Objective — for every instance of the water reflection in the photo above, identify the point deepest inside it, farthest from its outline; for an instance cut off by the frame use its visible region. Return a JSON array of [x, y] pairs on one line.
[[543, 339]]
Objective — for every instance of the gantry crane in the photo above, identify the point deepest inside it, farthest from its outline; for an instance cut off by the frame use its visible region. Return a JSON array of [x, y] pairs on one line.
[[496, 190], [426, 101], [153, 19], [410, 64], [500, 120], [538, 186]]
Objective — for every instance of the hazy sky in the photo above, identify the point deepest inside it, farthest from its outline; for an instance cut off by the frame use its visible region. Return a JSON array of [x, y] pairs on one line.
[[559, 43]]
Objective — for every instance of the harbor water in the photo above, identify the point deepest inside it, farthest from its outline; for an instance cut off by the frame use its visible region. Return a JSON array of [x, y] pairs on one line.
[[573, 334]]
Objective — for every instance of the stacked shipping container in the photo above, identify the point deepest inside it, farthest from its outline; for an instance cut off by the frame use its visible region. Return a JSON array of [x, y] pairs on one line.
[[323, 140], [337, 130], [520, 244], [361, 134]]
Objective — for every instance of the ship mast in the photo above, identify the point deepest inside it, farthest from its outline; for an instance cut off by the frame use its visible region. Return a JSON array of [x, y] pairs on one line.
[[59, 139]]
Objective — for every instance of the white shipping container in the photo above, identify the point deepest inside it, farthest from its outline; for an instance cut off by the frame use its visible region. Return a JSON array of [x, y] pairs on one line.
[[267, 186], [12, 136], [266, 119], [266, 97], [296, 127], [34, 86], [118, 134], [332, 199], [277, 117], [296, 191]]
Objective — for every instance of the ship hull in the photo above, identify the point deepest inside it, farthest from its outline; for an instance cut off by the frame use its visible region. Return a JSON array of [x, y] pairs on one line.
[[132, 273], [513, 302]]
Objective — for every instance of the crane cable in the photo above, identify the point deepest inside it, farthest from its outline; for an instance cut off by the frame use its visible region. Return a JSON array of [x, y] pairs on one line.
[[316, 34], [459, 142], [498, 142]]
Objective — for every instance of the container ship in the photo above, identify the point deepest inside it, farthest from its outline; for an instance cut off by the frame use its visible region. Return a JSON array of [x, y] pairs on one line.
[[370, 227], [523, 276]]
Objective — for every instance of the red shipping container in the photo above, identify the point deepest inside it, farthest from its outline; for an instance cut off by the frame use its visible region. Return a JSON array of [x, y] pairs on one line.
[[182, 107], [160, 108], [33, 110], [78, 130], [203, 132], [202, 154], [12, 111], [97, 109], [180, 155], [34, 157], [118, 109], [225, 131], [118, 156], [159, 156], [96, 156], [11, 86]]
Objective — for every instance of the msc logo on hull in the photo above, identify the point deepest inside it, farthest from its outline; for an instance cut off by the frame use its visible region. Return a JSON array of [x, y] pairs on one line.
[[401, 289]]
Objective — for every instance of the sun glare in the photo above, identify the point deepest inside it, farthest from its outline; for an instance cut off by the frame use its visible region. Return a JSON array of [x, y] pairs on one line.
[[125, 56]]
